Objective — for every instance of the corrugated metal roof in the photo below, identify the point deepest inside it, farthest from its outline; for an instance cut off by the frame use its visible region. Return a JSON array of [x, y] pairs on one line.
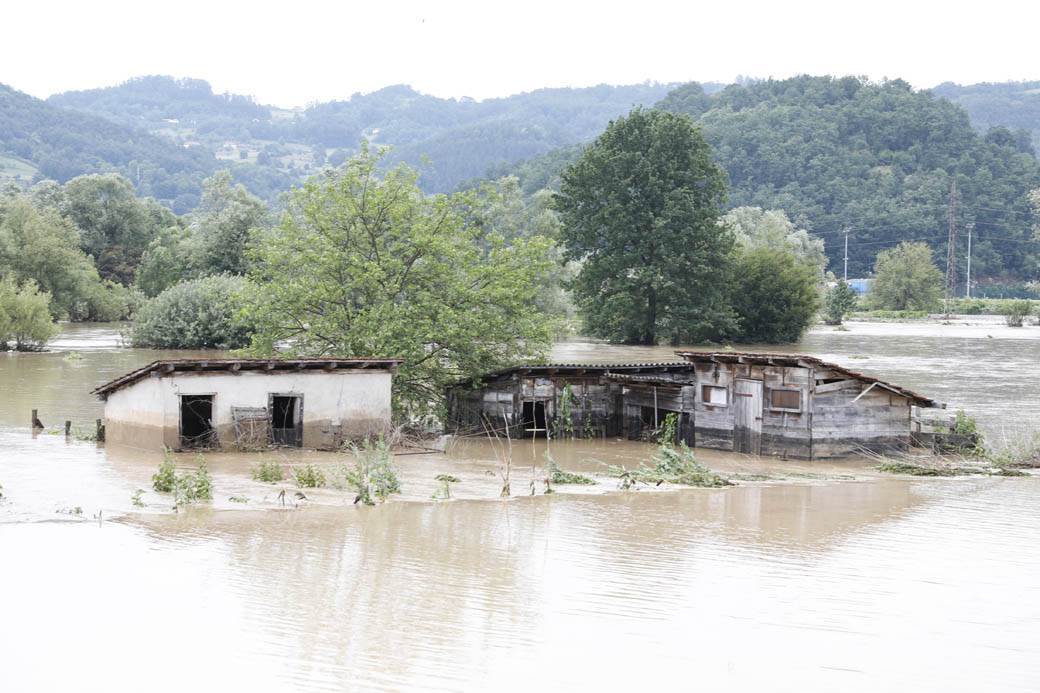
[[167, 366]]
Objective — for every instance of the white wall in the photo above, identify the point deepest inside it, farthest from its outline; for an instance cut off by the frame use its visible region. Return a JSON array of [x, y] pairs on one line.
[[358, 401]]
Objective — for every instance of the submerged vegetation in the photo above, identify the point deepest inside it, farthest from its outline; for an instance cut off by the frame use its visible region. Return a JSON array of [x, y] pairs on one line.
[[372, 476], [268, 471], [188, 487], [309, 476], [562, 477]]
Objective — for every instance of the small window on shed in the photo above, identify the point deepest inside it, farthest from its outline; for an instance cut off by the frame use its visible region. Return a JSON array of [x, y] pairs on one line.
[[714, 394], [789, 400]]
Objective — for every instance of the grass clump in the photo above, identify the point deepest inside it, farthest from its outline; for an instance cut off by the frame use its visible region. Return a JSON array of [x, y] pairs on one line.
[[309, 476], [562, 477], [268, 471], [135, 498]]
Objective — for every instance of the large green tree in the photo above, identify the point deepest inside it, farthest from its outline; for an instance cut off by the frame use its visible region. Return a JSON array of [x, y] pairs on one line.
[[640, 211], [115, 226], [364, 264], [39, 246], [906, 278]]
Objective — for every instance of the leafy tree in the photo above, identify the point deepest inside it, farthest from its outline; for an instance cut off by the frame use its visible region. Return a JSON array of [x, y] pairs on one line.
[[222, 224], [24, 316], [840, 301], [198, 314], [364, 264], [41, 247], [166, 261], [906, 279], [755, 227], [116, 227], [640, 212], [775, 295]]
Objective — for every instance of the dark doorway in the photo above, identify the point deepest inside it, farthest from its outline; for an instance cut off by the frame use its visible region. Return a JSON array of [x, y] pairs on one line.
[[534, 419], [197, 421], [287, 420]]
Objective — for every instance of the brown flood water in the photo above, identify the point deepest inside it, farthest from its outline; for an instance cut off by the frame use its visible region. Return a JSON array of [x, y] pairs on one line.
[[837, 578]]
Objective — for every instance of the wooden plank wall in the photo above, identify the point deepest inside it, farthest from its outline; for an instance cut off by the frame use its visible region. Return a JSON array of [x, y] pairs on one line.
[[878, 421]]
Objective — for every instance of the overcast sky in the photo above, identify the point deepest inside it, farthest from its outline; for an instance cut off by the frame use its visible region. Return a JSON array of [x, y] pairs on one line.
[[293, 53]]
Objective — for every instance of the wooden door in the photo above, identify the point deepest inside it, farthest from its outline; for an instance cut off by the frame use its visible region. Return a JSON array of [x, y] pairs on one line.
[[747, 416]]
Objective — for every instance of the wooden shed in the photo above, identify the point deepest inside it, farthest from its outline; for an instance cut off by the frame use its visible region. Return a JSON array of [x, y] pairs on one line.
[[786, 405], [556, 399], [796, 406]]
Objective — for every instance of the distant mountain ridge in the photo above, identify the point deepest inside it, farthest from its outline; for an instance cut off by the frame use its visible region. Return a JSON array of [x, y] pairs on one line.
[[450, 140]]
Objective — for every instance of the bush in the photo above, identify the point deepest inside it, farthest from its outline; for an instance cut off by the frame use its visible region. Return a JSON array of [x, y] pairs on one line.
[[373, 473], [25, 317], [309, 476], [269, 472], [1015, 312], [906, 279], [775, 296], [165, 480], [840, 301], [197, 314]]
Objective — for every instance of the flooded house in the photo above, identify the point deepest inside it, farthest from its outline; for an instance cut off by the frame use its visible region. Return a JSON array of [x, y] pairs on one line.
[[786, 405], [186, 404]]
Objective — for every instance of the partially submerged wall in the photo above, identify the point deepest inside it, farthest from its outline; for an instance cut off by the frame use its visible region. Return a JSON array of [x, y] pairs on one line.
[[851, 416], [338, 405]]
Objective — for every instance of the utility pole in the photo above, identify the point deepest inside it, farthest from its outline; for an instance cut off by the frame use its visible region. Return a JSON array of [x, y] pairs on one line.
[[845, 274], [951, 245], [967, 283]]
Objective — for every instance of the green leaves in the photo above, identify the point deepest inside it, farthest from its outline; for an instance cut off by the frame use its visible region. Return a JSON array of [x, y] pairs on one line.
[[363, 264], [906, 279], [640, 211]]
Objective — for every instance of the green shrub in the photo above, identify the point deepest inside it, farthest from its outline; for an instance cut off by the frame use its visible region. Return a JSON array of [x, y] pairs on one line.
[[268, 471], [373, 473], [775, 296], [188, 487], [444, 491], [840, 301], [25, 317], [309, 476], [1015, 312], [196, 486], [197, 314], [165, 480]]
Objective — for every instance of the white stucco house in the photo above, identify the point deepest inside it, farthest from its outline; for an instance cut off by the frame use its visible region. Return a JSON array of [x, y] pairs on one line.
[[248, 403]]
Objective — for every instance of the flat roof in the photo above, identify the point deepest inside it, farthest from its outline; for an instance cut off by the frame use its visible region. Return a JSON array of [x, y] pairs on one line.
[[170, 366], [570, 368]]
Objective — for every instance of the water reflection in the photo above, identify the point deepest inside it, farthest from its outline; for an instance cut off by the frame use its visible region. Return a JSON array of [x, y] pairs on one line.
[[855, 586]]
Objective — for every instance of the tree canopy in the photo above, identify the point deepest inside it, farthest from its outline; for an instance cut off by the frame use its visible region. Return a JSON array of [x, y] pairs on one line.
[[640, 212], [906, 278], [363, 263]]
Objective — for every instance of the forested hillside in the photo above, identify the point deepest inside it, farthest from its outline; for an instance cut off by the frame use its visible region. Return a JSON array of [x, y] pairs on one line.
[[1014, 105], [39, 141], [876, 159], [451, 140]]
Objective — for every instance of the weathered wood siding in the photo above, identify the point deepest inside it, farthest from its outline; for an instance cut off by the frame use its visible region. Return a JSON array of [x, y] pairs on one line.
[[847, 421], [784, 433], [594, 405]]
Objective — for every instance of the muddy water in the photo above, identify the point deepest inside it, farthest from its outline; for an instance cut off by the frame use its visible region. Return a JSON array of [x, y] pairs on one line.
[[834, 579]]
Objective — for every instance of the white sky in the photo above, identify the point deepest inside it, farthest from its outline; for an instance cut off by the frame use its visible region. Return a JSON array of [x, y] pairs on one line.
[[293, 53]]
